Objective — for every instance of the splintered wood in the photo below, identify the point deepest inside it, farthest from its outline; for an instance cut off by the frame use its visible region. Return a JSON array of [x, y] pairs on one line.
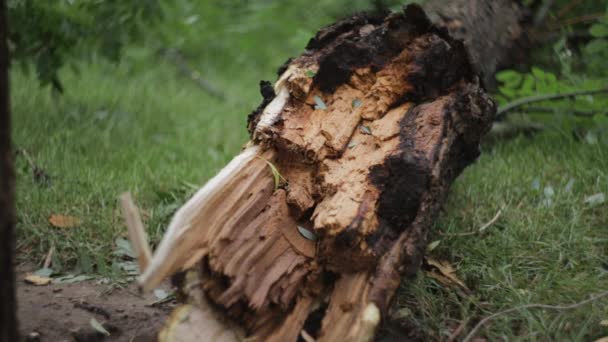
[[368, 146]]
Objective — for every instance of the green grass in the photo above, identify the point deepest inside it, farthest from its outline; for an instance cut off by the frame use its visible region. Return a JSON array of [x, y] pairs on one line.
[[537, 252], [150, 132], [140, 127]]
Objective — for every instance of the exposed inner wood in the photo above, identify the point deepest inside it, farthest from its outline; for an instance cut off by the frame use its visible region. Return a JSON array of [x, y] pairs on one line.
[[368, 146], [136, 231]]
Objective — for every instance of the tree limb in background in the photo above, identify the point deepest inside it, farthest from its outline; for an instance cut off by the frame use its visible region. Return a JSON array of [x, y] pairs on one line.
[[178, 60], [502, 110]]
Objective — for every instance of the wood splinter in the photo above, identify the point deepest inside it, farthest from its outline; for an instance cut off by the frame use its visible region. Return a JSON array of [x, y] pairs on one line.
[[369, 147]]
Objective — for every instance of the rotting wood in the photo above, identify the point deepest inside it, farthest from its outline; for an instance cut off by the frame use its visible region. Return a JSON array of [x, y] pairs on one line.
[[369, 146]]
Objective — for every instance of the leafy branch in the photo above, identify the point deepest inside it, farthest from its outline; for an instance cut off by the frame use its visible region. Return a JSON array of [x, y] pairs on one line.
[[502, 110]]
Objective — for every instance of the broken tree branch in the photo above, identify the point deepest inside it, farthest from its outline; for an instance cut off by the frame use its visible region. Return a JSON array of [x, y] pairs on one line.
[[136, 230]]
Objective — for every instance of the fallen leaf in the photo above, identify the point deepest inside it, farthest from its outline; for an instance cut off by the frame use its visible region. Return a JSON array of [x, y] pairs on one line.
[[44, 272], [536, 184], [307, 233], [124, 248], [161, 294], [432, 246], [591, 138], [443, 280], [37, 280], [129, 267], [97, 326], [319, 103], [366, 130], [278, 178], [569, 185], [447, 271], [71, 278], [595, 199], [64, 221], [402, 313]]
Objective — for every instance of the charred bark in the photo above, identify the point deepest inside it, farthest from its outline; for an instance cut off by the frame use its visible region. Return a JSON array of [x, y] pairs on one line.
[[368, 127], [8, 320]]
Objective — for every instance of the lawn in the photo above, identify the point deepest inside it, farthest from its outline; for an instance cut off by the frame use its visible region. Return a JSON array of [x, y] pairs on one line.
[[140, 126]]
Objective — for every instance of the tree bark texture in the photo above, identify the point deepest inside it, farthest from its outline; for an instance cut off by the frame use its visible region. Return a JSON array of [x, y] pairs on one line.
[[8, 320], [308, 231]]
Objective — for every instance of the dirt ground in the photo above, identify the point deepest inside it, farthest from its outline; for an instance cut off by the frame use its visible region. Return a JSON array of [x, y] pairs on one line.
[[63, 312]]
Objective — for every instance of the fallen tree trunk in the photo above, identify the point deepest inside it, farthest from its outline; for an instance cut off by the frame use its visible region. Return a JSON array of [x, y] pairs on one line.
[[308, 231]]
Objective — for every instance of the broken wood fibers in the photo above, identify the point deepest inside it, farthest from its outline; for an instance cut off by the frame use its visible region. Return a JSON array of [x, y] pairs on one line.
[[369, 146]]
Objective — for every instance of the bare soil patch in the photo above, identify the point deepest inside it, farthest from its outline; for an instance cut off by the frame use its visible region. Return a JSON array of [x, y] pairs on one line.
[[63, 312]]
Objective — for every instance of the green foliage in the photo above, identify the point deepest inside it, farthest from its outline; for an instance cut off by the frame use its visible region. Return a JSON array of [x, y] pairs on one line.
[[548, 246], [595, 53], [49, 34], [212, 34], [229, 34], [584, 116]]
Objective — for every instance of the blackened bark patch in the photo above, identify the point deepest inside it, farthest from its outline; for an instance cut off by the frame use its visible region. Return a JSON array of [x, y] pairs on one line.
[[433, 71], [494, 31], [348, 48], [336, 68], [382, 239], [461, 155], [268, 95], [329, 34], [402, 180]]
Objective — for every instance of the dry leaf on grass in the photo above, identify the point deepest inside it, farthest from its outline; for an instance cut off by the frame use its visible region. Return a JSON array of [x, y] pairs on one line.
[[448, 273], [64, 221], [97, 326], [37, 280]]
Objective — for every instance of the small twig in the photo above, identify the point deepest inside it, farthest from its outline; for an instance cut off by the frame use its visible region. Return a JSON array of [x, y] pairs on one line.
[[542, 12], [472, 333], [136, 230], [583, 18], [454, 335], [170, 297], [492, 221], [575, 112], [566, 9], [92, 308], [502, 110], [480, 230], [577, 20], [544, 37], [176, 58], [49, 257]]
